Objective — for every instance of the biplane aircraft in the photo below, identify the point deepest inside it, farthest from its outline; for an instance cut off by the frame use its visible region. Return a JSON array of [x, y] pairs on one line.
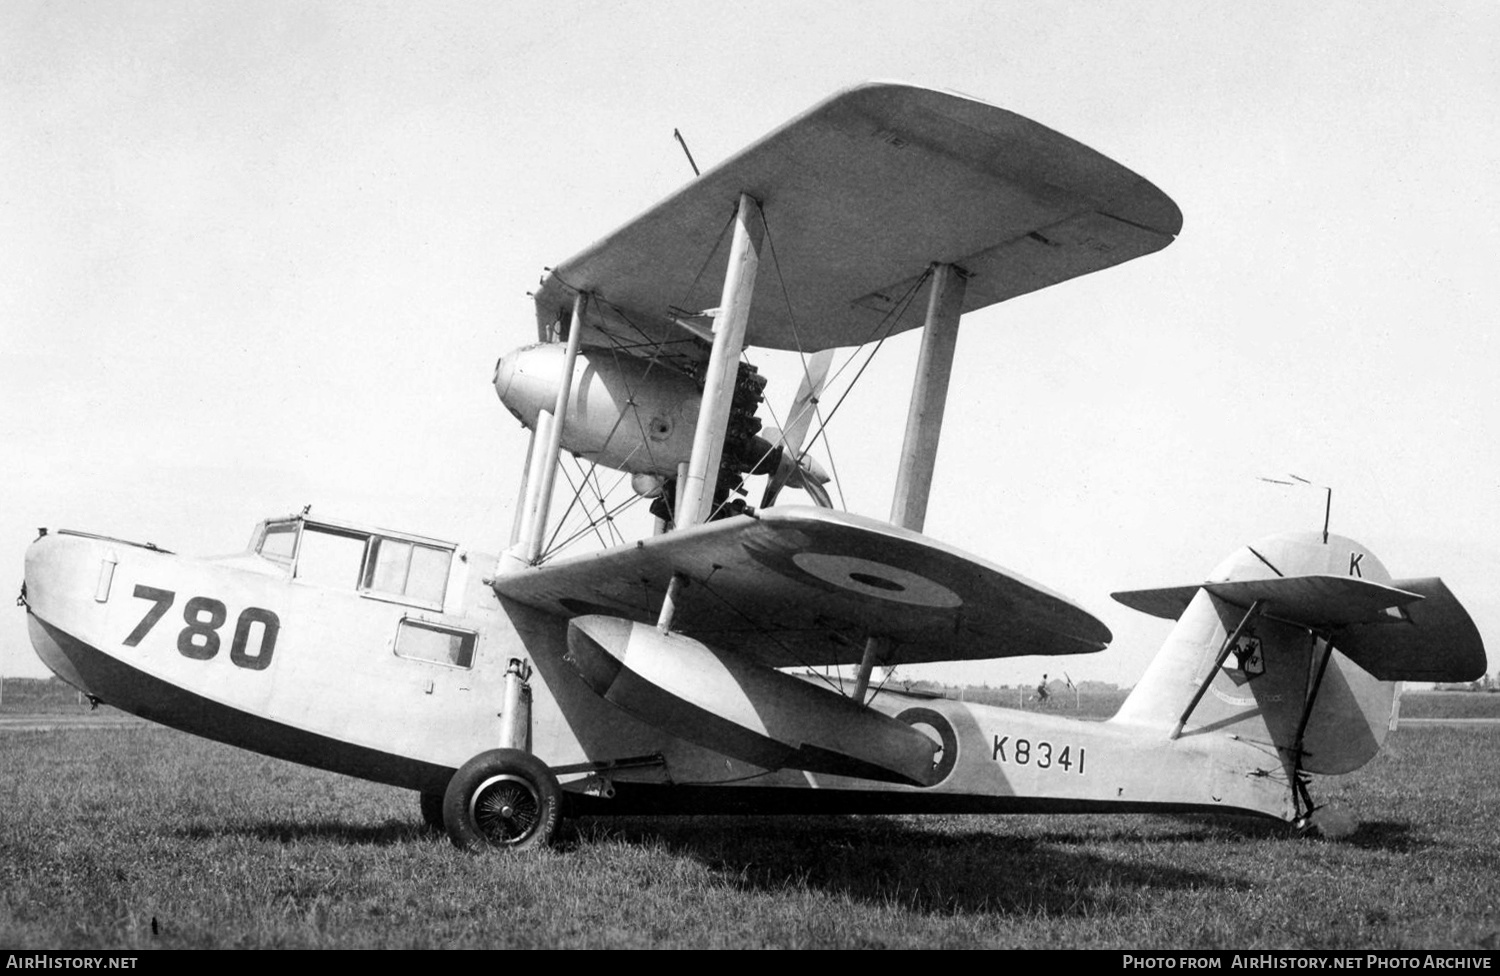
[[668, 674]]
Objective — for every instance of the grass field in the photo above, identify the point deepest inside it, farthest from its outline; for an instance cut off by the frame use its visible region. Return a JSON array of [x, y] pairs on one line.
[[1450, 704], [49, 696], [106, 832]]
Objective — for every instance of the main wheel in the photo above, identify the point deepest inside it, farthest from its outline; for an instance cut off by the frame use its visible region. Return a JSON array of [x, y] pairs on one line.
[[502, 798], [432, 810]]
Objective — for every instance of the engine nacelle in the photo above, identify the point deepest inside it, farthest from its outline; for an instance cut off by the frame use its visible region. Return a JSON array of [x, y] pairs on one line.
[[638, 416], [625, 413]]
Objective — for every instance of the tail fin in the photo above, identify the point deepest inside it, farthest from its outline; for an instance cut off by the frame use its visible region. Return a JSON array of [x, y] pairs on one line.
[[1299, 643]]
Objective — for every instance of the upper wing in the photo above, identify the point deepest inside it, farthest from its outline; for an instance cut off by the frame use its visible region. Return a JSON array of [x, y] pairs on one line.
[[860, 194], [806, 586]]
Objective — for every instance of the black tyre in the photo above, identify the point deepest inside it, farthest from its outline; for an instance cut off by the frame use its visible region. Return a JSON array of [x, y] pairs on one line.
[[502, 798], [432, 810]]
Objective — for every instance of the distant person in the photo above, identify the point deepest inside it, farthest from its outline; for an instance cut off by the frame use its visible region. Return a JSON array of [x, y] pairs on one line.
[[1041, 691]]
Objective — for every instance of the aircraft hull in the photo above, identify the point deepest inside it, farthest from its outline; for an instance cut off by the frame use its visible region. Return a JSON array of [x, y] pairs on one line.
[[1130, 778], [335, 696]]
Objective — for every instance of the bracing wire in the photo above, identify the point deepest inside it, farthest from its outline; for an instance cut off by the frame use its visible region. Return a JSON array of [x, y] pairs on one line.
[[889, 322], [606, 513], [900, 309], [884, 328], [786, 297], [614, 530], [609, 516], [614, 512], [718, 242], [577, 499], [616, 342], [764, 631]]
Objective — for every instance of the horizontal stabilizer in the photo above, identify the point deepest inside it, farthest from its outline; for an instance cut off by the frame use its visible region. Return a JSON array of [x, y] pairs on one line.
[[1320, 602], [1437, 642], [1412, 630], [1167, 602]]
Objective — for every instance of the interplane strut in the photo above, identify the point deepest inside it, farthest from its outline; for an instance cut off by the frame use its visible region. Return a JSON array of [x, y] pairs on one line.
[[924, 425]]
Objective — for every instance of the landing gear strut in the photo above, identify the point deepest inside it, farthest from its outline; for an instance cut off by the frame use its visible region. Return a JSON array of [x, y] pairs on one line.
[[505, 797]]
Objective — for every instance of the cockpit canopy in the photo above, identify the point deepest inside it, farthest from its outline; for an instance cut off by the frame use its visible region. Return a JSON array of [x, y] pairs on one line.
[[374, 562]]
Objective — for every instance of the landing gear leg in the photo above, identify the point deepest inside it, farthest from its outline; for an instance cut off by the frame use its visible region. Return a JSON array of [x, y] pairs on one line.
[[505, 797]]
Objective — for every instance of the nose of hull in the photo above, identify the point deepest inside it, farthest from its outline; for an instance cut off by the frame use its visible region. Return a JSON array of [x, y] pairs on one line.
[[58, 595], [52, 654]]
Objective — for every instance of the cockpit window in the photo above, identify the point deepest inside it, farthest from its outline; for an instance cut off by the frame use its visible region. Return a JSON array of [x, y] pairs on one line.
[[279, 543], [330, 558], [390, 561], [408, 569]]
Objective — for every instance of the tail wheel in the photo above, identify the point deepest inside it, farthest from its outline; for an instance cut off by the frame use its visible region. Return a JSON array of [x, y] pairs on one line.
[[502, 798]]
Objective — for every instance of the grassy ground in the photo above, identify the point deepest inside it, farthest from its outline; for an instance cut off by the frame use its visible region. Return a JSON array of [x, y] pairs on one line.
[[1104, 703], [105, 833], [1450, 704], [31, 696], [45, 696]]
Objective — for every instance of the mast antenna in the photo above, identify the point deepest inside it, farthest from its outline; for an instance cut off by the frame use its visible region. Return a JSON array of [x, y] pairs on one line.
[[683, 142], [1327, 502]]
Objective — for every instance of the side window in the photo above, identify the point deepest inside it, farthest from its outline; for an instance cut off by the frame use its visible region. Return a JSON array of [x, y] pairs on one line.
[[330, 558], [441, 645], [408, 569]]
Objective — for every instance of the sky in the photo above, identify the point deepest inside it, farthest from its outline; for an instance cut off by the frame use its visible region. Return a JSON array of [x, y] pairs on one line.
[[260, 256]]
